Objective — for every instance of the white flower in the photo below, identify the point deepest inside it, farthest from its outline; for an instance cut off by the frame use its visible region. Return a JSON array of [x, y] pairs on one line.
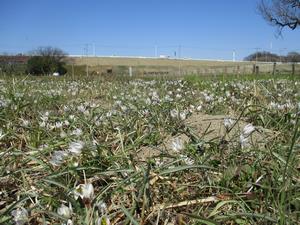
[[273, 105], [20, 216], [145, 112], [244, 141], [63, 134], [42, 147], [177, 145], [81, 108], [109, 114], [178, 96], [66, 108], [69, 222], [158, 162], [102, 207], [76, 147], [42, 124], [58, 125], [182, 115], [227, 93], [25, 123], [155, 96], [3, 103], [97, 122], [248, 129], [168, 98], [95, 142], [188, 160], [174, 113], [58, 157], [208, 98], [77, 132], [123, 108], [84, 191], [199, 108], [228, 123], [65, 211], [1, 134], [45, 117], [118, 102]]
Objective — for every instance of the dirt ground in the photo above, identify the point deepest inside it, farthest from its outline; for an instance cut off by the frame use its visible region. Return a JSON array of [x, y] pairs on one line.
[[209, 128]]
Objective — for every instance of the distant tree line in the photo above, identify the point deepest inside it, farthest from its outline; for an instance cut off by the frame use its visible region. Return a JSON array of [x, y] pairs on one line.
[[42, 61], [264, 56]]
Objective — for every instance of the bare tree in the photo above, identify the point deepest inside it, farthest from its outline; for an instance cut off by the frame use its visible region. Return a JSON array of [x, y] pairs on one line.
[[46, 61], [51, 52], [281, 13]]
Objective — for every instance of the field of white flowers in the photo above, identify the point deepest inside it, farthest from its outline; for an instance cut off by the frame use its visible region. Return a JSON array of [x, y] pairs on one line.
[[140, 151]]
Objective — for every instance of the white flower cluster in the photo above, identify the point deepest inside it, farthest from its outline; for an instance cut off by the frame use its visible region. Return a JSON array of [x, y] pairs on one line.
[[20, 216], [58, 157], [175, 114], [244, 137], [228, 123]]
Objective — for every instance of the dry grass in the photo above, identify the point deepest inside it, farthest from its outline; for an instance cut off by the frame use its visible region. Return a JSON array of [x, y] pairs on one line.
[[174, 66], [123, 61]]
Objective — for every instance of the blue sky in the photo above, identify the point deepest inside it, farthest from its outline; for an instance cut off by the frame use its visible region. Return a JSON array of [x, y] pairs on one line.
[[202, 28]]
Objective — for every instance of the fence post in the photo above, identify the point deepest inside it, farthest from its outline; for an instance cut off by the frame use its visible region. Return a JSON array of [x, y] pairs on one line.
[[73, 71], [293, 69], [254, 69], [244, 70], [274, 68]]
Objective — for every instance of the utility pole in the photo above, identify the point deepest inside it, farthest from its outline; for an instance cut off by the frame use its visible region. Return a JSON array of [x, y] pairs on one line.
[[266, 58], [271, 46], [155, 50], [233, 56], [94, 49], [86, 51], [281, 51], [256, 51], [179, 60]]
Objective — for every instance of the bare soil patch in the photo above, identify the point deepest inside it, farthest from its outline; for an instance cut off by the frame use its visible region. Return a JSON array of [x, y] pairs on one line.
[[209, 128]]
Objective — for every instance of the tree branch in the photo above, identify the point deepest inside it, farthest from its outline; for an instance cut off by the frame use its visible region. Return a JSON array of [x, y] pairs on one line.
[[281, 13]]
